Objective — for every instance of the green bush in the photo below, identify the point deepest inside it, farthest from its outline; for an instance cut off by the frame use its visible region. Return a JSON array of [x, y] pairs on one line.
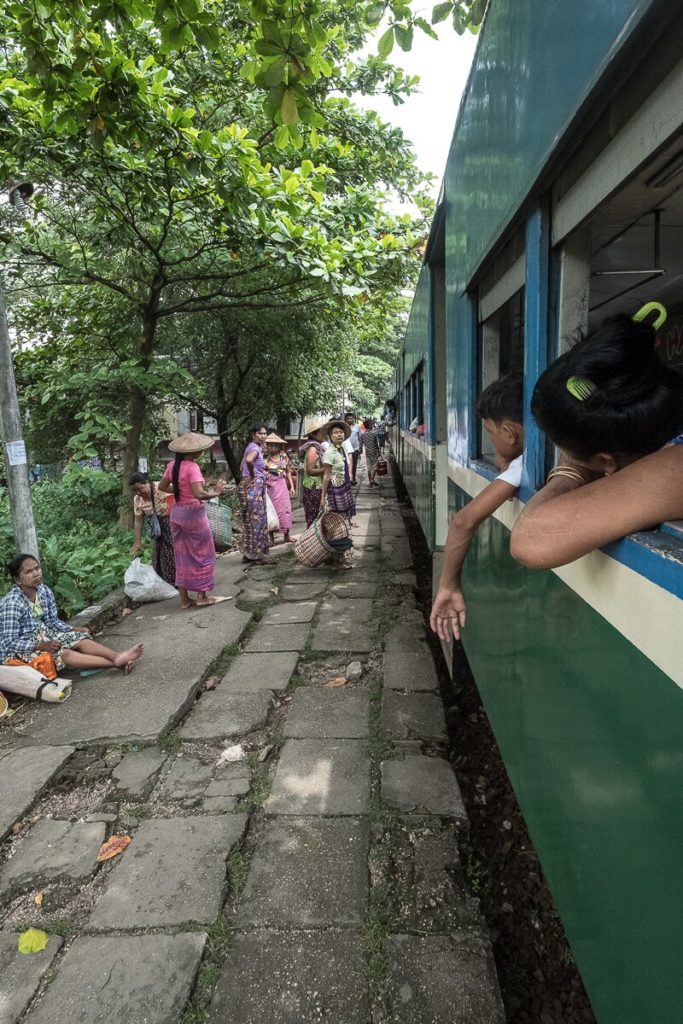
[[83, 554]]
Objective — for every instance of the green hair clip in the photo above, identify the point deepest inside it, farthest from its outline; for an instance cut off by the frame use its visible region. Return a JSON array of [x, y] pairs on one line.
[[652, 307], [580, 388]]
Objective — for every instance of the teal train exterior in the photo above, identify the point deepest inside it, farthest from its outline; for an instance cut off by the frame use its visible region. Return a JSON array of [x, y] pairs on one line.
[[562, 202]]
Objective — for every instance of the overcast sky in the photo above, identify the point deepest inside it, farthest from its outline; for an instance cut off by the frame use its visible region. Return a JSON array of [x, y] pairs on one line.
[[428, 117]]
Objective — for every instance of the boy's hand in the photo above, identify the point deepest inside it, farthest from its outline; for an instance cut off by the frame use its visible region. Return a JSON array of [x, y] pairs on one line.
[[449, 612]]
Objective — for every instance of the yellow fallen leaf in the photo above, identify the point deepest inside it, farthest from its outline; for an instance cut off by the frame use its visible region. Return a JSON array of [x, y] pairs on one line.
[[113, 847], [212, 682], [275, 590], [337, 681], [32, 940], [38, 899]]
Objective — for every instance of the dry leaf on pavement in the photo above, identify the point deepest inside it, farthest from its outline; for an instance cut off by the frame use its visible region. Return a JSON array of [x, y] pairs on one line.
[[264, 753], [212, 682], [113, 847], [127, 611], [275, 590], [337, 681], [38, 899]]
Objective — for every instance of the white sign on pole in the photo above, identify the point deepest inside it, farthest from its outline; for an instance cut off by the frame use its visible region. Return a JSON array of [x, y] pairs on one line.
[[16, 453], [142, 465]]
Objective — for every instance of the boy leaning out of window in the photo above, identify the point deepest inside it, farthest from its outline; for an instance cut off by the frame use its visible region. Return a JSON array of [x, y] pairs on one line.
[[500, 406]]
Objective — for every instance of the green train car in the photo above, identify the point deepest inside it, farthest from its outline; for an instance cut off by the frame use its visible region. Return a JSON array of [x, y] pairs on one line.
[[562, 203]]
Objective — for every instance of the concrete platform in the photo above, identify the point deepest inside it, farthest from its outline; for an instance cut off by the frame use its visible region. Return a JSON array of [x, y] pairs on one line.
[[320, 713], [329, 777]]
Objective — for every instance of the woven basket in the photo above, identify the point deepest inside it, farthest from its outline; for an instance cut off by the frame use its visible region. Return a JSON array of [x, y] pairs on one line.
[[312, 548], [220, 521]]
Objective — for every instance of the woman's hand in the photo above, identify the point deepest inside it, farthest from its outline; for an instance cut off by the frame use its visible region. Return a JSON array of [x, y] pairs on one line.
[[49, 646], [292, 491], [137, 546], [220, 486], [449, 612]]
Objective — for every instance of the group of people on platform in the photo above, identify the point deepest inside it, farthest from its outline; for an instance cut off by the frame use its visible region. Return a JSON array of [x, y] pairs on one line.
[[183, 549]]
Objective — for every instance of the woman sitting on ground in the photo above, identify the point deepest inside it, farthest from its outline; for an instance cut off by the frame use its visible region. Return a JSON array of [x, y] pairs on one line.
[[279, 484], [616, 412], [149, 501], [193, 546], [30, 625]]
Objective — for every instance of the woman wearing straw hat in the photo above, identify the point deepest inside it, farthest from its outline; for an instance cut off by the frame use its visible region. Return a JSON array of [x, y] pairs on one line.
[[279, 483], [336, 489], [311, 453], [252, 494], [195, 554]]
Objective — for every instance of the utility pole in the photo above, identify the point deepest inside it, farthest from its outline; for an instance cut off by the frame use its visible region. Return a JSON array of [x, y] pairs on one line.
[[16, 463]]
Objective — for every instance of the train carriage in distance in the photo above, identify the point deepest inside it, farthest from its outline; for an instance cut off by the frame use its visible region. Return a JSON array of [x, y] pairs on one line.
[[562, 203]]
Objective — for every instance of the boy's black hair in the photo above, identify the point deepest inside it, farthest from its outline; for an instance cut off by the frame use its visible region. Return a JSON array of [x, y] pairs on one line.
[[137, 478], [503, 400], [637, 404]]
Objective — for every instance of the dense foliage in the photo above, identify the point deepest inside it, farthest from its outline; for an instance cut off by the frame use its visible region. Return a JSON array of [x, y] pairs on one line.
[[83, 556]]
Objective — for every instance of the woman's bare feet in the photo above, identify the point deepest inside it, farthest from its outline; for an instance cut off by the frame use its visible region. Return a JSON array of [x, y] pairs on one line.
[[126, 659], [188, 604]]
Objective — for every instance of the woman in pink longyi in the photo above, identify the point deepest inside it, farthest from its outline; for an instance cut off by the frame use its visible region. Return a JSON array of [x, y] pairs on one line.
[[193, 546], [279, 483]]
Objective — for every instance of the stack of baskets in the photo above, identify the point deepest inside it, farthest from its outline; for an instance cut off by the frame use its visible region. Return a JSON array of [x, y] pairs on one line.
[[313, 546]]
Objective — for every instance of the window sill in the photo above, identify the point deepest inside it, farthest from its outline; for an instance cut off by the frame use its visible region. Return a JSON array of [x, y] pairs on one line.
[[655, 554]]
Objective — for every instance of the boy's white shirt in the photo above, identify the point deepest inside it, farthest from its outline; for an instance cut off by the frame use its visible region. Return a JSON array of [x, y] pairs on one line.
[[513, 474], [348, 446]]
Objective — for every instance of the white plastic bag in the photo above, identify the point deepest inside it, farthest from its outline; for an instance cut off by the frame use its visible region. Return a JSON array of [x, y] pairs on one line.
[[273, 520], [29, 683], [141, 583]]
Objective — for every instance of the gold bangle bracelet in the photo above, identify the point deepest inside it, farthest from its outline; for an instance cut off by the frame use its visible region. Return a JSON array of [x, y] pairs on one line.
[[569, 472]]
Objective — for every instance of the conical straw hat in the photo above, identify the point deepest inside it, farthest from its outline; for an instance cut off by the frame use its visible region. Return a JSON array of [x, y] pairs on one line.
[[191, 442], [275, 439]]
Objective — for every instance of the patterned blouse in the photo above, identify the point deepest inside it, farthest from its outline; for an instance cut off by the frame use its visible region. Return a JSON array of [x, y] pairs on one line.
[[144, 507], [335, 458]]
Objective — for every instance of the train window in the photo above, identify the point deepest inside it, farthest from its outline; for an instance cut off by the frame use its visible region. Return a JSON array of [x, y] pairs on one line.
[[414, 399], [501, 350]]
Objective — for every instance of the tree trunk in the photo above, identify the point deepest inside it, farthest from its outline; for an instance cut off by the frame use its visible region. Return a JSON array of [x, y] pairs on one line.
[[138, 408], [223, 424], [138, 397]]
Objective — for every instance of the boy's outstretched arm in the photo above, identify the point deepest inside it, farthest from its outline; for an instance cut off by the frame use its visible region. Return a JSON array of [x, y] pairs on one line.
[[449, 611]]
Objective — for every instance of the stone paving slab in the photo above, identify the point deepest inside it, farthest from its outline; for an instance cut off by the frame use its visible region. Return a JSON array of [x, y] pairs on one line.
[[187, 779], [422, 784], [293, 978], [407, 670], [320, 713], [249, 672], [431, 895], [220, 714], [408, 716], [172, 872], [343, 635], [307, 873], [321, 777], [354, 589], [58, 851], [284, 614], [302, 591], [278, 638], [441, 979], [25, 773], [138, 979], [406, 637], [322, 573], [21, 974], [137, 708], [135, 774], [335, 612]]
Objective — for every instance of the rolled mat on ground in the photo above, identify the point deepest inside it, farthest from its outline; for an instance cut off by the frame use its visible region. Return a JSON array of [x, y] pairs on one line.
[[28, 683]]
